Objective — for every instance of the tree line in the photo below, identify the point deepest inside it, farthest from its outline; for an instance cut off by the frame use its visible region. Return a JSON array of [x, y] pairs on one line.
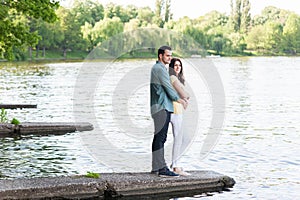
[[30, 29]]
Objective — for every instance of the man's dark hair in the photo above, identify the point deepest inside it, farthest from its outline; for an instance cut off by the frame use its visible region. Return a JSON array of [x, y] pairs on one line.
[[162, 49]]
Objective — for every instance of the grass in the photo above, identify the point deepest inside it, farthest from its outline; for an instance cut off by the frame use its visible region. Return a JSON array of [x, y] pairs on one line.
[[92, 175], [58, 55]]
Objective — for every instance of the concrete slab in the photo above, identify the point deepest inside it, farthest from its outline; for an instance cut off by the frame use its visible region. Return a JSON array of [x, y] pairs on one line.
[[42, 128], [114, 185]]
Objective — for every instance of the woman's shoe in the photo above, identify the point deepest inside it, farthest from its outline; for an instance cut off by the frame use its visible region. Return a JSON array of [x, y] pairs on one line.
[[179, 170]]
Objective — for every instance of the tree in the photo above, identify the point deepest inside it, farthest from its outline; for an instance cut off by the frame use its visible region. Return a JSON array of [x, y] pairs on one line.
[[237, 42], [50, 35], [217, 44], [133, 24], [87, 11], [158, 13], [240, 15], [245, 16], [274, 31], [128, 13], [14, 18], [41, 28], [145, 15], [70, 23], [211, 20], [291, 33], [86, 31], [255, 37], [106, 28], [213, 26], [273, 35], [271, 13], [236, 15], [168, 14], [162, 12]]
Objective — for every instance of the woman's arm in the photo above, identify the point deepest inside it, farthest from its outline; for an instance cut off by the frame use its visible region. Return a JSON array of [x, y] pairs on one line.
[[182, 93]]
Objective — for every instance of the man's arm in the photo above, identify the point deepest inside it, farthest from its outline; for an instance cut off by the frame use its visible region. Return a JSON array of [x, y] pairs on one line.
[[171, 92], [166, 84], [184, 102]]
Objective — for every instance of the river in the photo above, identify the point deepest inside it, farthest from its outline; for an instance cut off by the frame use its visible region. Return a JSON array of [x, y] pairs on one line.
[[243, 121]]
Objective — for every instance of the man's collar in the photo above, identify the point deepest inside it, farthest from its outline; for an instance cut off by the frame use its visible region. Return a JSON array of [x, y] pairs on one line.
[[159, 62]]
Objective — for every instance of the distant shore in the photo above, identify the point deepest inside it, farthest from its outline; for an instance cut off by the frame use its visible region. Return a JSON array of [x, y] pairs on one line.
[[53, 56]]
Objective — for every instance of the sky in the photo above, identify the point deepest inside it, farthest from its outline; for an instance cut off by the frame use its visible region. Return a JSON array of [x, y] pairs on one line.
[[196, 8]]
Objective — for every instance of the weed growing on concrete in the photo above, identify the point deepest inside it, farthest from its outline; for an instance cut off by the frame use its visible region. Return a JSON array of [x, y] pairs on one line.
[[92, 175]]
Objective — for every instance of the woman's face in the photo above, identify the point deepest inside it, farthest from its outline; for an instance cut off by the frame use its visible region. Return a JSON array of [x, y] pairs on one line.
[[177, 67]]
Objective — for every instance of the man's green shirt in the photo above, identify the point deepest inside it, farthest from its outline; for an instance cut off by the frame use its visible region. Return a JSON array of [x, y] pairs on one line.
[[162, 92]]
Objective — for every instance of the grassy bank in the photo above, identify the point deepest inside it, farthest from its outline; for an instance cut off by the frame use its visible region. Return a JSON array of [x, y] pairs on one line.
[[57, 55]]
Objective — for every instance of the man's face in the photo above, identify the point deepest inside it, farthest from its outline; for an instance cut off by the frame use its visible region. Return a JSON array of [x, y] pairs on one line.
[[166, 57]]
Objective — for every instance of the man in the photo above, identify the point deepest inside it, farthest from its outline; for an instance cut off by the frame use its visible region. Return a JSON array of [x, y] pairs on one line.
[[162, 95]]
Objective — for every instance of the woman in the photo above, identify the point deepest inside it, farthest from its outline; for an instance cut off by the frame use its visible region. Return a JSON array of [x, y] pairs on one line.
[[178, 81]]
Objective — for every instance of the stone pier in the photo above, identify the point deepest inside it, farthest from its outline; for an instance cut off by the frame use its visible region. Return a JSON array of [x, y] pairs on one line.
[[115, 185]]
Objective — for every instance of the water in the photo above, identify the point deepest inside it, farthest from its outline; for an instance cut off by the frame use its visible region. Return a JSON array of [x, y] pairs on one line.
[[258, 144]]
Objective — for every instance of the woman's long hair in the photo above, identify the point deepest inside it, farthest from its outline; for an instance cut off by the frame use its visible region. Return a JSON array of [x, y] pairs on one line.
[[172, 71]]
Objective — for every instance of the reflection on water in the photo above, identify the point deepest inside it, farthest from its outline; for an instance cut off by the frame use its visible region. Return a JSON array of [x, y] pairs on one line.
[[24, 157], [258, 147], [34, 156]]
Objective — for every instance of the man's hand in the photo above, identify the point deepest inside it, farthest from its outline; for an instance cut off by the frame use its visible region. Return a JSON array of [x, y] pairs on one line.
[[183, 102]]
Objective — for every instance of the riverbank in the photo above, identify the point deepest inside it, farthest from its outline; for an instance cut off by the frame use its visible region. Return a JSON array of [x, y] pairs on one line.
[[57, 56], [111, 185]]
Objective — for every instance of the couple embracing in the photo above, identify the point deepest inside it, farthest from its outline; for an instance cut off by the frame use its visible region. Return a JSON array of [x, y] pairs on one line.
[[168, 101]]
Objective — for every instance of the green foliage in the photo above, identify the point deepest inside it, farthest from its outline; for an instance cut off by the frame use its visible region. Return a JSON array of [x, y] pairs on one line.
[[162, 12], [245, 16], [3, 116], [15, 121], [87, 11], [30, 25], [14, 19], [145, 16], [92, 175], [37, 9], [255, 39], [291, 33], [240, 15]]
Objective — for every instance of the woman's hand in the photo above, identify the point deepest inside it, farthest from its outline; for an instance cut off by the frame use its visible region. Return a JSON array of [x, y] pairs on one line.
[[183, 102]]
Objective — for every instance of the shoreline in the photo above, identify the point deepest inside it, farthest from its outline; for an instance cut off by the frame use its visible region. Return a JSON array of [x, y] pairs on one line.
[[150, 56]]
